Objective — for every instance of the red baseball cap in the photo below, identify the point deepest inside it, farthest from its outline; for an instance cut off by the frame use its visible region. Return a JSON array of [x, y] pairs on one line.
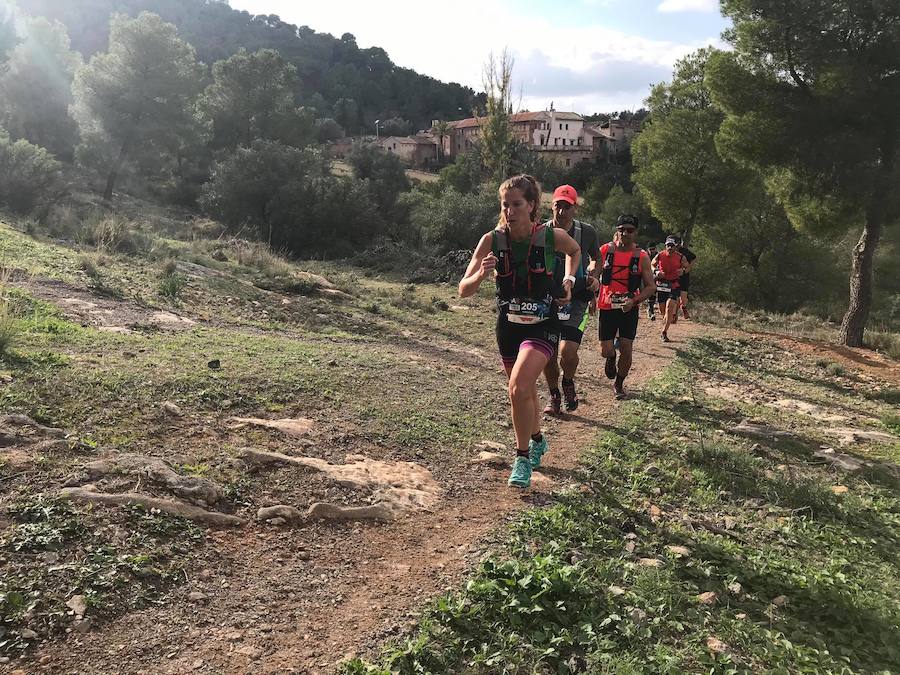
[[565, 193]]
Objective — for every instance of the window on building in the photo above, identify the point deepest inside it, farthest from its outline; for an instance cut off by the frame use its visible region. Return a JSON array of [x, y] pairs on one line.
[[555, 141], [542, 139], [567, 127], [568, 162], [579, 140], [560, 127]]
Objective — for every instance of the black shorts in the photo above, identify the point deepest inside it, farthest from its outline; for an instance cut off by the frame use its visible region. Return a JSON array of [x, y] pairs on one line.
[[510, 337], [663, 297], [615, 322], [685, 283], [572, 330]]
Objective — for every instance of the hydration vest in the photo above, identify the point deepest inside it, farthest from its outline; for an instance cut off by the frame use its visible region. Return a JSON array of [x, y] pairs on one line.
[[579, 288], [634, 268], [669, 264], [538, 283]]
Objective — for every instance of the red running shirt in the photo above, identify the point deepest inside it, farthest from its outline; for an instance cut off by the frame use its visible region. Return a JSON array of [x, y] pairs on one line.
[[621, 266]]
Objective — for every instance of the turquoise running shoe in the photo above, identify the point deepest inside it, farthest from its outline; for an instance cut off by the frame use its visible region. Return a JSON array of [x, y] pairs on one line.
[[521, 473], [536, 451]]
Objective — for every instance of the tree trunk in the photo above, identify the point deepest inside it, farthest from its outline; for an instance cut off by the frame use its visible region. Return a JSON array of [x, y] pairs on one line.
[[862, 278], [114, 172]]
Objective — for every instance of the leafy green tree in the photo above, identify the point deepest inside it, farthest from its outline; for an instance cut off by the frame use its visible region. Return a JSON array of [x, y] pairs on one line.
[[679, 169], [441, 130], [325, 216], [396, 126], [245, 187], [28, 174], [328, 130], [497, 141], [617, 202], [139, 96], [36, 88], [812, 92], [252, 97], [466, 174], [383, 170], [346, 113]]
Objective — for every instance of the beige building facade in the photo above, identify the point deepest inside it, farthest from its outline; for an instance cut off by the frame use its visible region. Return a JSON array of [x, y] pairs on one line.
[[561, 136]]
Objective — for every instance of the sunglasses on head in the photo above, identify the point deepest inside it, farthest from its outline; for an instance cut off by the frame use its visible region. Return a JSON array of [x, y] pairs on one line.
[[670, 245]]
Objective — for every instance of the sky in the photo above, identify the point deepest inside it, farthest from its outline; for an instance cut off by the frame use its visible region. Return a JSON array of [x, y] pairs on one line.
[[583, 56]]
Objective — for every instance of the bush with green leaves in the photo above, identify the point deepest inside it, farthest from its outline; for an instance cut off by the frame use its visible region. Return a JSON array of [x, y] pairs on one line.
[[384, 171], [286, 197], [244, 186], [454, 220], [29, 174]]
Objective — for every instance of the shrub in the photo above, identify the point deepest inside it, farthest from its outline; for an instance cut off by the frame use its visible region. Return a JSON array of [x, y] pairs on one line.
[[244, 186], [28, 174], [455, 220], [113, 233], [170, 286], [385, 173]]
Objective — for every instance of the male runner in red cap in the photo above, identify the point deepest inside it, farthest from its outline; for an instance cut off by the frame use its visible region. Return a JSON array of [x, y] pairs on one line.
[[573, 317]]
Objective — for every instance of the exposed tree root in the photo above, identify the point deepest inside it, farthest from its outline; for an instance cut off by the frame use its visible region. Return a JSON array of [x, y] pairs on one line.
[[196, 489], [288, 513], [169, 506]]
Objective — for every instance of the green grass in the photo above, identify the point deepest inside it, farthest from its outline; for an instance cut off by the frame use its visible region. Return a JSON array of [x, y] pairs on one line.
[[401, 383], [117, 560], [815, 571], [801, 325]]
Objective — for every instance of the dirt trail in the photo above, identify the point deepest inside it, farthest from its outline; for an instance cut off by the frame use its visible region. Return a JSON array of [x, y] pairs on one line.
[[271, 600]]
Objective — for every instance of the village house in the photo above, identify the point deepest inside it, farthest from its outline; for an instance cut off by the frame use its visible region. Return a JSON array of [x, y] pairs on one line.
[[560, 136], [415, 151], [617, 134]]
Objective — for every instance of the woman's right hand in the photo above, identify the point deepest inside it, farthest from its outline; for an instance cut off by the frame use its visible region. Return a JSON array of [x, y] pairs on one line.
[[488, 264]]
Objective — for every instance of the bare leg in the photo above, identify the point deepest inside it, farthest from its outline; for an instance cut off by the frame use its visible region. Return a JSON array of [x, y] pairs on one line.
[[523, 397], [625, 357], [568, 356], [551, 372], [671, 308]]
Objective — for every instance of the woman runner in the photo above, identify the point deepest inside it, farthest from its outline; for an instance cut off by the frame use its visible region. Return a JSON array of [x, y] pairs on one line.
[[521, 255]]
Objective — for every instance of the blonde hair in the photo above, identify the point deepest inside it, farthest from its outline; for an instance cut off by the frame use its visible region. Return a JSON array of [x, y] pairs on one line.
[[530, 189]]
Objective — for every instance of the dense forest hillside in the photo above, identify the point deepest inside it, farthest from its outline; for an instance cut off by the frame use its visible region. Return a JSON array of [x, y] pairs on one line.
[[354, 86]]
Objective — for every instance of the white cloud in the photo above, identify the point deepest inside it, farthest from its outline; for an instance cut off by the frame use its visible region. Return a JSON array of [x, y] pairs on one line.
[[689, 6]]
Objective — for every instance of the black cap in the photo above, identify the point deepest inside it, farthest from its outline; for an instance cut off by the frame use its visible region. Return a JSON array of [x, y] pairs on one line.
[[627, 219]]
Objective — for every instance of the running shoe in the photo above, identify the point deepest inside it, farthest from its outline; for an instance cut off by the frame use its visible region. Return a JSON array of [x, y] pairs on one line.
[[536, 451], [610, 368], [521, 473], [571, 395], [665, 338], [652, 317], [619, 392], [554, 405]]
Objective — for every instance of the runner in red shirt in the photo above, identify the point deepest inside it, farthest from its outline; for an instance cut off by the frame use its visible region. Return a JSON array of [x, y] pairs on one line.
[[626, 280]]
